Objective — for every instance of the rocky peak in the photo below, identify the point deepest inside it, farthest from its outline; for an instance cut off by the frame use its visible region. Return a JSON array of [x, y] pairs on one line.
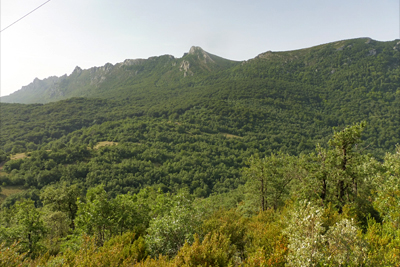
[[195, 49], [132, 62], [77, 70], [108, 67], [201, 54]]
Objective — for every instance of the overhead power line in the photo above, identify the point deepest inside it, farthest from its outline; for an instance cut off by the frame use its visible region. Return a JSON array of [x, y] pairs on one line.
[[25, 16]]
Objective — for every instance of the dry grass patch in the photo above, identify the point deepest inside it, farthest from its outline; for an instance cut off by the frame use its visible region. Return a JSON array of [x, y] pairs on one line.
[[177, 123], [18, 156], [231, 135], [105, 143]]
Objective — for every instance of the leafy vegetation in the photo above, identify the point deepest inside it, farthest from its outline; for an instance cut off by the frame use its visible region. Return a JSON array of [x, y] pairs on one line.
[[152, 227]]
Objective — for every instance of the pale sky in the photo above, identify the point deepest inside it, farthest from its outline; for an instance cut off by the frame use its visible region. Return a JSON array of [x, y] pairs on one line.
[[64, 34]]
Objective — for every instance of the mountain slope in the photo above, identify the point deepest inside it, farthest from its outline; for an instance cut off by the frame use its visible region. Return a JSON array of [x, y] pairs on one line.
[[289, 99], [194, 122]]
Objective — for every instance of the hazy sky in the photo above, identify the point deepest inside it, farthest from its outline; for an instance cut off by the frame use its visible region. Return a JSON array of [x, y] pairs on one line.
[[67, 33]]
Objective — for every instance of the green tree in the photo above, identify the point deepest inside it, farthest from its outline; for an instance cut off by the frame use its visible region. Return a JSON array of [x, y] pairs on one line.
[[269, 178], [95, 216], [345, 159], [57, 223], [387, 189], [24, 225], [62, 197], [383, 237], [3, 156], [338, 174], [169, 231], [130, 214]]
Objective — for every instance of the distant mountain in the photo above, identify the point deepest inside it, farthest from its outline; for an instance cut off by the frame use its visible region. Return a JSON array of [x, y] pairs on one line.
[[340, 62], [101, 81]]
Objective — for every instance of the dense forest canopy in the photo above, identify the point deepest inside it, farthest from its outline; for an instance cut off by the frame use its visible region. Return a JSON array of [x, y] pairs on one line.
[[203, 161]]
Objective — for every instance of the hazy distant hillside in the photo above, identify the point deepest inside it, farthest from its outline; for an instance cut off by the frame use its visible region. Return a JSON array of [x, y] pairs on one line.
[[108, 80]]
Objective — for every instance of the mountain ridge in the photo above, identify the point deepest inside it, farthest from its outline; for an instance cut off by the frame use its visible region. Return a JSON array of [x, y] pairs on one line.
[[54, 88], [196, 61], [167, 70]]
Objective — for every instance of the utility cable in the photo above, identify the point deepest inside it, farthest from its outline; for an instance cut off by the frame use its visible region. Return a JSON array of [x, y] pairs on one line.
[[25, 16]]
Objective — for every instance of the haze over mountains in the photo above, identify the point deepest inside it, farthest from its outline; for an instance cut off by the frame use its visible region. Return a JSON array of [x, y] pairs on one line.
[[94, 82], [324, 62]]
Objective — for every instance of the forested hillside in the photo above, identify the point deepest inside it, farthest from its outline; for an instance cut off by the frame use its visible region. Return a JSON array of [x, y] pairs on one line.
[[329, 208], [229, 150]]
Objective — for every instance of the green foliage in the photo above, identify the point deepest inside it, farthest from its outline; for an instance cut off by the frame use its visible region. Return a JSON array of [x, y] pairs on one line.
[[231, 224], [3, 156], [388, 190], [96, 216], [62, 198], [214, 250], [169, 231], [340, 174], [270, 178], [119, 251], [267, 244], [305, 236], [346, 246], [58, 226], [291, 98], [32, 194], [384, 244], [384, 237], [23, 223], [310, 244], [10, 255], [131, 246]]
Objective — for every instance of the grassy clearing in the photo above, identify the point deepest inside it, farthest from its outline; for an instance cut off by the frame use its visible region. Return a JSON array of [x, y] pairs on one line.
[[177, 123], [105, 143], [22, 155], [231, 135], [18, 156]]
